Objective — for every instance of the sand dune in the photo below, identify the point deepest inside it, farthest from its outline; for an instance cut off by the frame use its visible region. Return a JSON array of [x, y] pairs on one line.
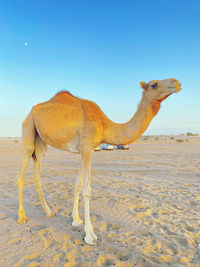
[[145, 207]]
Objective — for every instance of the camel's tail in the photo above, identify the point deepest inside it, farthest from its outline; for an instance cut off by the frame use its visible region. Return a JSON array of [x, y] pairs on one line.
[[29, 134], [34, 156], [33, 145]]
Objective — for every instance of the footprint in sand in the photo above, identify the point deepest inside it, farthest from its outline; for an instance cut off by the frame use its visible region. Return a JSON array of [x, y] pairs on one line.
[[114, 227], [106, 260], [37, 227], [124, 256], [47, 239]]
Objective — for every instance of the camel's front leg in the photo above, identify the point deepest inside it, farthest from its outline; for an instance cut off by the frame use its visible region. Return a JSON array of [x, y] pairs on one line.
[[90, 237], [78, 186]]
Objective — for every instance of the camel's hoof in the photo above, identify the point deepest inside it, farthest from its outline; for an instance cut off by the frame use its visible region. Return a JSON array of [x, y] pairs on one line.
[[51, 214], [92, 241], [78, 222], [23, 219]]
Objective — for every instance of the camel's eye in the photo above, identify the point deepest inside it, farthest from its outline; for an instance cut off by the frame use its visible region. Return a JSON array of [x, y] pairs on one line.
[[154, 85]]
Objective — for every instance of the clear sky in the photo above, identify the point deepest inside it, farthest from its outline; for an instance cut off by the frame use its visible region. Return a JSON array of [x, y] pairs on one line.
[[100, 50]]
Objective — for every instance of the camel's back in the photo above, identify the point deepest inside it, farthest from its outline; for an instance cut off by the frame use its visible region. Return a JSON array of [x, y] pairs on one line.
[[62, 105], [59, 118]]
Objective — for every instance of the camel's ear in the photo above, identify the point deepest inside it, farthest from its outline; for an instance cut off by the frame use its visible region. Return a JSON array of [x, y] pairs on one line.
[[143, 85]]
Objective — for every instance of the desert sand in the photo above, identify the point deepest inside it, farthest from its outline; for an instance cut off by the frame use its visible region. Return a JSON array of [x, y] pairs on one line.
[[144, 207]]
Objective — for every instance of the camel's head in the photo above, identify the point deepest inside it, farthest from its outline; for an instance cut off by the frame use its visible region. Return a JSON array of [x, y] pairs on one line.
[[160, 89]]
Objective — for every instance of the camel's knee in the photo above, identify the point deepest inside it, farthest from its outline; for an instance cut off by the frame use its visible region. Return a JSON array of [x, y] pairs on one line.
[[28, 150], [21, 182], [78, 186], [87, 192], [38, 183], [26, 155]]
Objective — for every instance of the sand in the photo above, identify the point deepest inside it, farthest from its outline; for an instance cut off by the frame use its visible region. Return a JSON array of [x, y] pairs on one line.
[[145, 207]]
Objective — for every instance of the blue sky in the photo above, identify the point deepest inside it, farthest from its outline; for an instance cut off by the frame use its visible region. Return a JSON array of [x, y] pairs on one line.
[[100, 50]]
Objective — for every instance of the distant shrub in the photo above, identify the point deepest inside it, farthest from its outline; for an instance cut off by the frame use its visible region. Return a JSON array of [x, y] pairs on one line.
[[146, 138], [157, 139], [172, 138], [180, 141], [15, 141], [191, 134]]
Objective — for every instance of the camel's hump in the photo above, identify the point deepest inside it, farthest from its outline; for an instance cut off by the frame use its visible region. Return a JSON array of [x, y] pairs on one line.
[[63, 97]]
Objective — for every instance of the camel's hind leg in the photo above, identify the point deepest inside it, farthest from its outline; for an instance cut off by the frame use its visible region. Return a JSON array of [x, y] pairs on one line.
[[27, 151], [40, 150], [25, 159]]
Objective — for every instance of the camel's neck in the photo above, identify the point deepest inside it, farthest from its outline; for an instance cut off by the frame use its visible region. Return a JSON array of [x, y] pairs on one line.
[[126, 133]]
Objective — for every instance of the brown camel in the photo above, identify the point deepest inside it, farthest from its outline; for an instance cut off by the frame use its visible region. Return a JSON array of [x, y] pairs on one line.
[[79, 126]]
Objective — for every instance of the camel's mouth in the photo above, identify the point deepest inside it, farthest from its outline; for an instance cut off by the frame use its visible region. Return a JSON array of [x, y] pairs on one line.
[[178, 86], [178, 89], [174, 89]]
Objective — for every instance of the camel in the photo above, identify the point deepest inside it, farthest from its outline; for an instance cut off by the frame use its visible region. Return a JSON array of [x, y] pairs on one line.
[[79, 126]]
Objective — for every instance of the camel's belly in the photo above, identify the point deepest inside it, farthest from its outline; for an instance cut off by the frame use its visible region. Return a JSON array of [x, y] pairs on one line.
[[64, 140], [72, 146]]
